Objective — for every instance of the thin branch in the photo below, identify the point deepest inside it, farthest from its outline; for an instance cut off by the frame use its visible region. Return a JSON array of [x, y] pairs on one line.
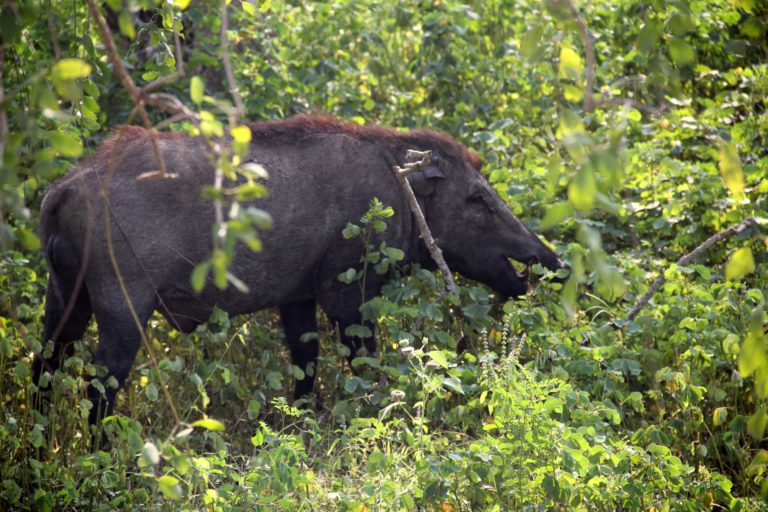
[[685, 260], [109, 45], [239, 106], [401, 173]]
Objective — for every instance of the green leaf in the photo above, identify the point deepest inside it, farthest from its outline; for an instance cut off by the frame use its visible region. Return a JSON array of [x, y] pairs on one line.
[[181, 4], [740, 264], [66, 144], [125, 22], [70, 69], [757, 424], [582, 189], [530, 44], [209, 424], [753, 351], [571, 66], [719, 416], [438, 356], [730, 168], [454, 384], [196, 89], [648, 36], [573, 93], [681, 52], [198, 276], [170, 487]]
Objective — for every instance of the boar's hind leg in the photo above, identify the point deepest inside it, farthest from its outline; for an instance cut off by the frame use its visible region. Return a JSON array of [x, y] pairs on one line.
[[298, 319], [119, 339]]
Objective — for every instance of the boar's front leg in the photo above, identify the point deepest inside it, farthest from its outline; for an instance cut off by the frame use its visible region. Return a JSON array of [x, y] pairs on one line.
[[298, 319]]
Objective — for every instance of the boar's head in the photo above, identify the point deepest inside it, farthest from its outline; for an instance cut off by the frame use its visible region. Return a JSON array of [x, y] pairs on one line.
[[475, 229]]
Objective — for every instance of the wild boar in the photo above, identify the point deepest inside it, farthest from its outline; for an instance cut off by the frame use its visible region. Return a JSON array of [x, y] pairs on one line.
[[109, 233]]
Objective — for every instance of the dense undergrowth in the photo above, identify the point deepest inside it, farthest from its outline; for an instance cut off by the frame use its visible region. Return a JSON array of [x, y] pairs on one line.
[[553, 402]]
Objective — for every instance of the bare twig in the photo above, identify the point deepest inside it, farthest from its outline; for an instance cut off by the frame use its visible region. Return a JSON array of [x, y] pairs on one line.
[[401, 173], [239, 106], [685, 260]]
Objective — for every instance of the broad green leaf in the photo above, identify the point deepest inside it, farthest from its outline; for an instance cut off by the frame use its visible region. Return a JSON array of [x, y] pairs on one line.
[[648, 36], [740, 264], [125, 22], [681, 52], [570, 123], [66, 144], [454, 384], [582, 189], [209, 424], [70, 69], [196, 89], [730, 168], [170, 487], [438, 356], [570, 64], [28, 239], [181, 4]]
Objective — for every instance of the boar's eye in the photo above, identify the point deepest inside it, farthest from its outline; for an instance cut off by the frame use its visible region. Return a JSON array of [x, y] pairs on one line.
[[477, 200]]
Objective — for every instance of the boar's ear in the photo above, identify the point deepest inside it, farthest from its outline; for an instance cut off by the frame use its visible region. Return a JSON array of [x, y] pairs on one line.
[[423, 183]]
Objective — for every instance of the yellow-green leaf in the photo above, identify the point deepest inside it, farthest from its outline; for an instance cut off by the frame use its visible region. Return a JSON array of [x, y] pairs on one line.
[[181, 4], [719, 416], [241, 134], [757, 423], [125, 22], [730, 168], [209, 424], [740, 264], [70, 69], [570, 63], [169, 486], [66, 144], [196, 89], [752, 354], [249, 8], [572, 93]]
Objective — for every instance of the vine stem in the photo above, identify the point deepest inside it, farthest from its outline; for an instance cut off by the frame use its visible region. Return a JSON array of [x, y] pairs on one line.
[[401, 173], [685, 260]]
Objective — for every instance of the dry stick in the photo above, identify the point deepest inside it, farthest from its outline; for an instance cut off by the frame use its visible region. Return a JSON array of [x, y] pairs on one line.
[[233, 90], [734, 230], [434, 250]]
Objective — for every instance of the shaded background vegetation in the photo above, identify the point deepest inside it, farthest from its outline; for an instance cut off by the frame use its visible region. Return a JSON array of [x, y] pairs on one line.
[[625, 133]]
